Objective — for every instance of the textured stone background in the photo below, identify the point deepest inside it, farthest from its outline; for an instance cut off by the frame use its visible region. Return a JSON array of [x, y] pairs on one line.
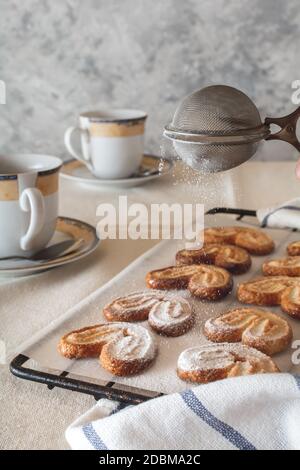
[[59, 57]]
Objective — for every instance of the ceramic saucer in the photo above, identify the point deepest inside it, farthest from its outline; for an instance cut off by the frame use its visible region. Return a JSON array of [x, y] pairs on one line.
[[85, 241], [152, 167]]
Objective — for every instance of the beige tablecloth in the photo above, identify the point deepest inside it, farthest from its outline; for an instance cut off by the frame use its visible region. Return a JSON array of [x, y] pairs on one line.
[[31, 416]]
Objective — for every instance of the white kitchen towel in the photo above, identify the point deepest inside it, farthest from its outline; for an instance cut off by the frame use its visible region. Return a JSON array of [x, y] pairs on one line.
[[284, 215], [251, 412]]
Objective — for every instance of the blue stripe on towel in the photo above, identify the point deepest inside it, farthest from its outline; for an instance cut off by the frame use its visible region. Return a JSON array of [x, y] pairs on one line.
[[227, 431], [93, 437]]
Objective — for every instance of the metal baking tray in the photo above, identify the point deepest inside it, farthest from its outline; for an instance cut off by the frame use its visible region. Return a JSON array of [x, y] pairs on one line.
[[25, 365]]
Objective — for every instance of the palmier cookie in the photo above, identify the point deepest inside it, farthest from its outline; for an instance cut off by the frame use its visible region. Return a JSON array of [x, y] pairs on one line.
[[210, 283], [282, 267], [124, 349], [214, 362], [257, 328], [171, 317], [230, 257], [132, 307], [172, 277], [255, 241], [203, 281], [290, 301], [293, 249], [265, 290]]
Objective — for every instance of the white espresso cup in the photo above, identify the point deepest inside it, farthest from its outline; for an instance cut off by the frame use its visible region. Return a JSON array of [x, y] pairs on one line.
[[28, 202], [112, 142]]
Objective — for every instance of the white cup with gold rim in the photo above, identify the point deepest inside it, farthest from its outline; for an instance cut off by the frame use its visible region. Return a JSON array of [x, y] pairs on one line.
[[28, 202], [112, 142]]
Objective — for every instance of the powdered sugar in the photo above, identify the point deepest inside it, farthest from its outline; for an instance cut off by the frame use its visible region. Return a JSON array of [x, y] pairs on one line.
[[216, 357], [248, 322], [135, 302], [170, 311], [193, 359], [133, 342]]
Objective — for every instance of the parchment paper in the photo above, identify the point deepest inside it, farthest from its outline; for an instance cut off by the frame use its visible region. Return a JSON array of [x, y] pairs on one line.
[[161, 377]]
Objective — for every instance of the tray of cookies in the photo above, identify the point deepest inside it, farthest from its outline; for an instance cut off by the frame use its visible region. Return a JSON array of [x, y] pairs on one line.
[[176, 317]]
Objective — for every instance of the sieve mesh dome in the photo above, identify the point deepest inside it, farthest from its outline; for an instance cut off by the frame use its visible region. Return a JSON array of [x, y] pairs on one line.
[[216, 110]]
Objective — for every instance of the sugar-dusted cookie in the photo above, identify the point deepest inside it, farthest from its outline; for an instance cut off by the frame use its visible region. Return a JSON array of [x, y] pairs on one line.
[[289, 266], [88, 341], [124, 348], [210, 283], [230, 257], [260, 329], [130, 352], [255, 241], [293, 249], [132, 307], [290, 301], [172, 277], [171, 316], [266, 290], [202, 280], [218, 361]]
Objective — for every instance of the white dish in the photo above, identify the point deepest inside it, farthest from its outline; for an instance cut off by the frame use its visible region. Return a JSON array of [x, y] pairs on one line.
[[76, 171], [66, 229]]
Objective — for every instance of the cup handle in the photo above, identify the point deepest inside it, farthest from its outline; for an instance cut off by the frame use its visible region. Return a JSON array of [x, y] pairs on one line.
[[68, 143], [32, 200]]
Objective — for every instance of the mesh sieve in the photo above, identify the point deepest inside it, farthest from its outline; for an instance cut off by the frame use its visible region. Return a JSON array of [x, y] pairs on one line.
[[219, 127], [216, 110]]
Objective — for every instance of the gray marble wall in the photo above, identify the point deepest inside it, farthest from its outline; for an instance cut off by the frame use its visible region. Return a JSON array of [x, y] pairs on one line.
[[59, 57]]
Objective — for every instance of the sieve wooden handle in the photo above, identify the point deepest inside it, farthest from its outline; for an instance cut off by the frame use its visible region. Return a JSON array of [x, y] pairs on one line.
[[288, 126]]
